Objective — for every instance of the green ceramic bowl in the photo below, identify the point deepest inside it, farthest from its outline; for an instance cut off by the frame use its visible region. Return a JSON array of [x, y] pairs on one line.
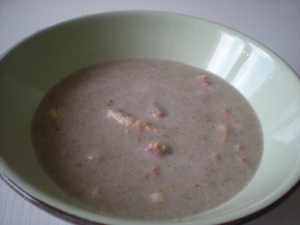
[[30, 68]]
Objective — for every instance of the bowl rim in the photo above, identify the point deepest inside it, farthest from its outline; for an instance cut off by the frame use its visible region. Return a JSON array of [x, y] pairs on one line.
[[119, 12], [79, 220], [82, 221]]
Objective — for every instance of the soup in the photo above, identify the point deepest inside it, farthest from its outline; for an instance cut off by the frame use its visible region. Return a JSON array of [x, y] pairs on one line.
[[147, 139]]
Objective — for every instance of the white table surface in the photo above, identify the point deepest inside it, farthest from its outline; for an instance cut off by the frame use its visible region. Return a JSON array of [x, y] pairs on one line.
[[274, 23]]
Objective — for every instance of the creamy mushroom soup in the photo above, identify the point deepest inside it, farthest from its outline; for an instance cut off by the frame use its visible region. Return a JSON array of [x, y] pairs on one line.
[[147, 139]]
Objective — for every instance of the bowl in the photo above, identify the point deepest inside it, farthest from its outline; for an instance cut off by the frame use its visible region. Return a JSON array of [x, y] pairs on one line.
[[30, 68]]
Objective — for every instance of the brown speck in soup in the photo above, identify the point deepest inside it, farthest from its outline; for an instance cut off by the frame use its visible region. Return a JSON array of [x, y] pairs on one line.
[[110, 103], [215, 156]]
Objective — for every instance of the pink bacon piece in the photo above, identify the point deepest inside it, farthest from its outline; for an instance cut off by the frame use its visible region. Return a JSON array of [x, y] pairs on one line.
[[157, 113], [204, 81], [229, 117], [238, 147], [242, 159], [155, 171], [157, 149], [94, 156]]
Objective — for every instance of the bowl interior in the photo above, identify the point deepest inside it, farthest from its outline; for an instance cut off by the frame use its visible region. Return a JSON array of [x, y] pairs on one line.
[[271, 87]]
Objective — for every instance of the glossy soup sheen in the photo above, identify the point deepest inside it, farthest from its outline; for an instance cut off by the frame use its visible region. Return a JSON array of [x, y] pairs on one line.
[[147, 139]]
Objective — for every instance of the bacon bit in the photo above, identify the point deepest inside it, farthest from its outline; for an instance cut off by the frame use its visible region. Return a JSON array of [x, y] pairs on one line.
[[95, 156], [158, 149], [230, 118], [238, 146], [243, 159], [155, 171], [223, 129], [122, 118], [215, 156], [157, 113], [157, 198], [54, 114], [205, 82], [96, 194]]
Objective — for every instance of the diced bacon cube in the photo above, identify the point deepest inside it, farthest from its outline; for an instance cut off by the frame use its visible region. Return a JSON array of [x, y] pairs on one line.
[[54, 114], [95, 156], [96, 194], [157, 113], [229, 117], [243, 160], [155, 171], [158, 149], [205, 81], [158, 198], [238, 146]]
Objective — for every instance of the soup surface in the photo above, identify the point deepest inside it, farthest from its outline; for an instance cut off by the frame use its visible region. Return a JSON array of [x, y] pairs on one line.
[[147, 139]]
